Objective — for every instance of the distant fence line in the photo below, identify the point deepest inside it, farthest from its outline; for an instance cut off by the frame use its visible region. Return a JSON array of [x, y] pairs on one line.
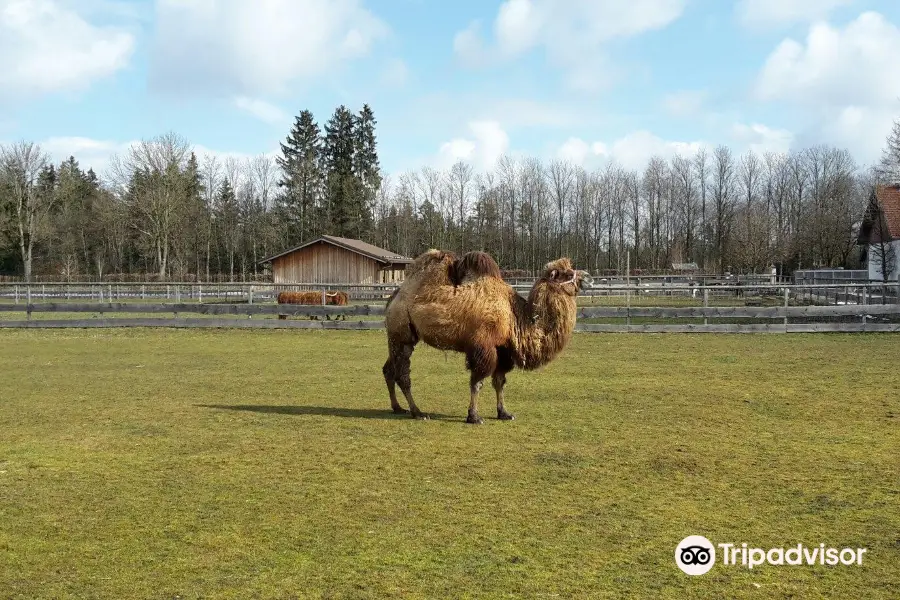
[[515, 275], [845, 292], [864, 315]]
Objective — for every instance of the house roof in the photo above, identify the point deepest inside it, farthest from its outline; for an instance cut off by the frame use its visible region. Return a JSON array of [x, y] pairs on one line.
[[888, 197], [360, 247]]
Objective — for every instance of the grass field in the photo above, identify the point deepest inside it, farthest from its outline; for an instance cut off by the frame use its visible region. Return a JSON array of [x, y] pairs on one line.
[[264, 464]]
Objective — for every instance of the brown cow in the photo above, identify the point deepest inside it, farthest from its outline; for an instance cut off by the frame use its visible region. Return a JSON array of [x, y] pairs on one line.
[[335, 298]]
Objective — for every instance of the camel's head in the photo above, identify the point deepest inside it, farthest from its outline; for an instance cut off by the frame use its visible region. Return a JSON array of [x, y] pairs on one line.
[[561, 274]]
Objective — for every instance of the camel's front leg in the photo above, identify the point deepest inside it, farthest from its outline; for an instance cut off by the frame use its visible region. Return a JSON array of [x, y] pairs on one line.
[[499, 381], [481, 362], [474, 388]]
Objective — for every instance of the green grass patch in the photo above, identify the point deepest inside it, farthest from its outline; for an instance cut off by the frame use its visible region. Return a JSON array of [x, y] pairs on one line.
[[265, 464]]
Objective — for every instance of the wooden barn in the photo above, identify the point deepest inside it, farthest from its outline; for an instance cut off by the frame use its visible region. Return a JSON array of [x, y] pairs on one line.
[[331, 259]]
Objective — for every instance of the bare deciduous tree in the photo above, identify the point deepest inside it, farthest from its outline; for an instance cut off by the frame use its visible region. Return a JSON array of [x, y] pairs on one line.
[[889, 168], [722, 187], [560, 174], [155, 168], [21, 166]]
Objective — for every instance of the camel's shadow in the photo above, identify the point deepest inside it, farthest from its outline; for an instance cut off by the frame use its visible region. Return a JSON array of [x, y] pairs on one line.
[[326, 411]]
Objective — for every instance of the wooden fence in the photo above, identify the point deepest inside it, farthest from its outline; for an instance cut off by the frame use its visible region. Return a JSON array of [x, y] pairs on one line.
[[836, 293], [853, 318]]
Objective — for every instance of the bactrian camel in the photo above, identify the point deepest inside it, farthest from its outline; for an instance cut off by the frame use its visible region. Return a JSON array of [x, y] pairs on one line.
[[464, 305]]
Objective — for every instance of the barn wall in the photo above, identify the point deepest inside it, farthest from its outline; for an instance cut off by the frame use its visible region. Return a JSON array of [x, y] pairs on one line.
[[392, 274], [324, 263]]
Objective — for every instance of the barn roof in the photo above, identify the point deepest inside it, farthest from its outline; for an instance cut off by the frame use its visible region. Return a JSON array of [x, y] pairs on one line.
[[360, 247], [888, 204]]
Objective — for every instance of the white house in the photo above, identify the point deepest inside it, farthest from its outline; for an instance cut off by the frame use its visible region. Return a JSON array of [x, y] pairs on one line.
[[880, 233]]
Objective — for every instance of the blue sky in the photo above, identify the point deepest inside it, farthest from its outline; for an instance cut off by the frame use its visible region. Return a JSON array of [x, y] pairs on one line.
[[585, 80]]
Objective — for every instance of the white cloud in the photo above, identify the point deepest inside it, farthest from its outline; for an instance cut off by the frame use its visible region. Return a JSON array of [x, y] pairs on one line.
[[761, 138], [395, 74], [684, 103], [262, 110], [457, 109], [765, 13], [47, 47], [487, 144], [861, 130], [467, 44], [836, 66], [847, 80], [577, 151], [250, 48], [571, 33], [632, 151], [98, 154], [90, 153]]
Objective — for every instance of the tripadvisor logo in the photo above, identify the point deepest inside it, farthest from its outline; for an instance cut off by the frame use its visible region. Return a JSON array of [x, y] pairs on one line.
[[696, 555]]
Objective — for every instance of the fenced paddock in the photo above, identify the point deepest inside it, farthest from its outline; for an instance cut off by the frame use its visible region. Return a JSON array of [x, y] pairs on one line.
[[661, 308], [161, 463]]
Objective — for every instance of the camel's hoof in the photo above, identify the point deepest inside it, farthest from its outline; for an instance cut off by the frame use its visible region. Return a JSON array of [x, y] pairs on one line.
[[474, 419], [505, 416], [399, 410]]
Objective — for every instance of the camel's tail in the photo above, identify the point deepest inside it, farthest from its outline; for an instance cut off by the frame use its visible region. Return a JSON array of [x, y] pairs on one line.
[[391, 297]]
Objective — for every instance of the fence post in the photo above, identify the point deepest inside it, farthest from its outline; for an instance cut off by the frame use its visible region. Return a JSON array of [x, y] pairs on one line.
[[17, 293], [251, 295], [864, 301], [200, 293], [786, 297], [323, 296], [28, 302], [705, 305], [177, 293]]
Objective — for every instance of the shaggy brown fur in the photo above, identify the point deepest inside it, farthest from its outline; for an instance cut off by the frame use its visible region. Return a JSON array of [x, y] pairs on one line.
[[473, 265], [465, 306]]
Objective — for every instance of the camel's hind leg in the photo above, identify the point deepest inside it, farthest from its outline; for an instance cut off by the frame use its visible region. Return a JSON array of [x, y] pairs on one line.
[[396, 372], [401, 375], [481, 362], [505, 364], [391, 381]]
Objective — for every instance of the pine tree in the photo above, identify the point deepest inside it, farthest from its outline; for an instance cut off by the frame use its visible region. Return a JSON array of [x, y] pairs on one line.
[[193, 236], [341, 212], [228, 217], [366, 169], [72, 219], [301, 163]]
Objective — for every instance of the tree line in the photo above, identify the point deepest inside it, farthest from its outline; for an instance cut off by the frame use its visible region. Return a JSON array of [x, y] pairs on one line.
[[162, 212]]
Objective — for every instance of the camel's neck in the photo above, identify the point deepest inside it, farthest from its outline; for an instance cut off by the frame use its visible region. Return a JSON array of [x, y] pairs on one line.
[[549, 326]]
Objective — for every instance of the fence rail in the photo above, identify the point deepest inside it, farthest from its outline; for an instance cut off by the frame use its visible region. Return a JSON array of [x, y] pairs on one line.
[[865, 317], [851, 291]]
